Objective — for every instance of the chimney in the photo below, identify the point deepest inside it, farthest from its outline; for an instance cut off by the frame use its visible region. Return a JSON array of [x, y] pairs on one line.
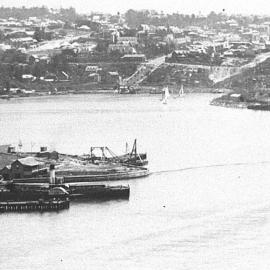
[[11, 149], [52, 174], [43, 149]]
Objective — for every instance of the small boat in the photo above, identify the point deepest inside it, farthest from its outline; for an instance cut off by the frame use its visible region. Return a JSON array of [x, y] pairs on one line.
[[7, 97], [124, 89], [154, 90], [181, 91]]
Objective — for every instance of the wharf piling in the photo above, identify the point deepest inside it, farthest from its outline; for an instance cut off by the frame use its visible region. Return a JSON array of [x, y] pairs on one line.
[[29, 206]]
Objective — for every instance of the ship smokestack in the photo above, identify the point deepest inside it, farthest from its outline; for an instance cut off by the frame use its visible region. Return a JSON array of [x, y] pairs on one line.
[[52, 174]]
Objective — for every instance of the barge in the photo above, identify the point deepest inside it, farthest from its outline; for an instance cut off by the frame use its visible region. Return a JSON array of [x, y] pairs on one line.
[[77, 173], [84, 176], [92, 192]]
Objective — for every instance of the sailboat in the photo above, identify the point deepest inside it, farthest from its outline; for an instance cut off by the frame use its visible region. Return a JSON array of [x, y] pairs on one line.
[[181, 92], [165, 95]]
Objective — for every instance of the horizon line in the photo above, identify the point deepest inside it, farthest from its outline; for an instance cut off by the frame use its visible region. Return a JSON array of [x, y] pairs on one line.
[[223, 12]]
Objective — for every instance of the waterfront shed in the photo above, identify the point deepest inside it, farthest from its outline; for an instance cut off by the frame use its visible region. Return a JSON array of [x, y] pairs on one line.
[[133, 58], [5, 172], [4, 148], [27, 167]]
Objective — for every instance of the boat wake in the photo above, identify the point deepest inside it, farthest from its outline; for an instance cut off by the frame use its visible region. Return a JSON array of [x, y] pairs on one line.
[[211, 166]]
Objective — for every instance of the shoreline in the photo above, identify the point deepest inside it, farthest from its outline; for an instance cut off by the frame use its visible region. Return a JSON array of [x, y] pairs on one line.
[[229, 104], [150, 90], [224, 101]]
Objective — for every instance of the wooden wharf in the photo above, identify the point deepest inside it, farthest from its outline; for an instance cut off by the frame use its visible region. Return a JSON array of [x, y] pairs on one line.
[[29, 206]]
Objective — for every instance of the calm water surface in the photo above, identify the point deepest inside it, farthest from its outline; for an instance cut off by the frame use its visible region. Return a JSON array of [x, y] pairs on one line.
[[206, 205]]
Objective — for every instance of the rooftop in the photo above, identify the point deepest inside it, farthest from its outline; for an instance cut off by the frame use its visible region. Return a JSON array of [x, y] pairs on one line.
[[29, 161]]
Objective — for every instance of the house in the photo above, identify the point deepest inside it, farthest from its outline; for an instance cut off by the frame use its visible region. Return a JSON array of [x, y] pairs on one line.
[[237, 97], [46, 154], [84, 28], [27, 167], [6, 172], [28, 77], [22, 42], [5, 148], [92, 69], [50, 78], [112, 77], [131, 40], [181, 42], [133, 58], [41, 58], [94, 77], [121, 48]]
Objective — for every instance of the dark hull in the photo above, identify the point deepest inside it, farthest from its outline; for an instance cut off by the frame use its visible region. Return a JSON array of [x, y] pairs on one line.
[[99, 191], [31, 195], [74, 191], [101, 195], [261, 107]]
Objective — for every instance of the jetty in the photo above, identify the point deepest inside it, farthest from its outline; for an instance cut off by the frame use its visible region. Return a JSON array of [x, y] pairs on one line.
[[44, 181], [29, 206]]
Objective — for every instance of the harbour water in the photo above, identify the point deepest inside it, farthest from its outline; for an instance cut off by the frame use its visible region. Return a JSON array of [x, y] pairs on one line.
[[206, 205]]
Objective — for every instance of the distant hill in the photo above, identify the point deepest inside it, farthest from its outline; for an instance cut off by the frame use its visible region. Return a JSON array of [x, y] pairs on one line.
[[22, 13]]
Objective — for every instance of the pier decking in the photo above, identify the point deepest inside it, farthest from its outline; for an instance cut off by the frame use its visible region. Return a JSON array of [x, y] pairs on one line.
[[29, 206]]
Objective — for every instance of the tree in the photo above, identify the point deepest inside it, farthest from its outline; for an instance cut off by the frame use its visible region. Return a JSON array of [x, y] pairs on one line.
[[2, 35], [39, 34]]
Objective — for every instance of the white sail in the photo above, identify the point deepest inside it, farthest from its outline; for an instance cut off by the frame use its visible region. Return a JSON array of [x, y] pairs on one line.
[[181, 91], [166, 95]]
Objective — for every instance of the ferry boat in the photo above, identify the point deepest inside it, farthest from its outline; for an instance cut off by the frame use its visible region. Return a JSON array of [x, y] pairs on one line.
[[74, 190]]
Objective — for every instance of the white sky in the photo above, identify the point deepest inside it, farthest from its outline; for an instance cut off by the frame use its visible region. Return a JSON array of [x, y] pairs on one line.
[[182, 6]]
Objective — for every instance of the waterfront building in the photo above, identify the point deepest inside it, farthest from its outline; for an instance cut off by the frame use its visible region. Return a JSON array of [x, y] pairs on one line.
[[121, 48], [27, 167], [134, 58]]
